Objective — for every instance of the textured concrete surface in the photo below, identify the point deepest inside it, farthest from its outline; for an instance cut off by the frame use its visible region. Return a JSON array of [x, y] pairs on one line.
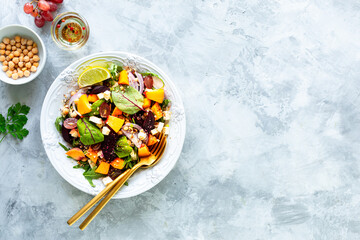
[[271, 91]]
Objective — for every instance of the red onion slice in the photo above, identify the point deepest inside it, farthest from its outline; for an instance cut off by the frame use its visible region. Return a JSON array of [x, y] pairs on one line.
[[132, 82], [141, 82], [70, 123]]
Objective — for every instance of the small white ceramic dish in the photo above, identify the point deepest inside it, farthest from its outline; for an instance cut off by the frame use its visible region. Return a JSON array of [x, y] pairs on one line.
[[11, 31], [66, 82]]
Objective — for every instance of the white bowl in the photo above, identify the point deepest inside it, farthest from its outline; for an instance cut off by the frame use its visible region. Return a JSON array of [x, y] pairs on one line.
[[11, 31], [66, 82]]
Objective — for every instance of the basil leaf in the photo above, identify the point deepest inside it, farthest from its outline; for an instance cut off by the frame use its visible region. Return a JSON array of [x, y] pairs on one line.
[[89, 134], [122, 148], [129, 101], [90, 174], [95, 107]]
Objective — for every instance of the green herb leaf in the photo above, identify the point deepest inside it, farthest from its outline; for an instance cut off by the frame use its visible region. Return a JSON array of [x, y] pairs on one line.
[[90, 174], [58, 123], [2, 124], [115, 70], [89, 134], [64, 147], [129, 101]]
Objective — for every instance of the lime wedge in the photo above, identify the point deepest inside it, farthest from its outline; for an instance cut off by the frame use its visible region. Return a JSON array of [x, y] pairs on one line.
[[93, 75]]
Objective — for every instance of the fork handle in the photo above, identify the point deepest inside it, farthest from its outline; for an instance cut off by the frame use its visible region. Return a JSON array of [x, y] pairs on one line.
[[97, 198], [113, 191]]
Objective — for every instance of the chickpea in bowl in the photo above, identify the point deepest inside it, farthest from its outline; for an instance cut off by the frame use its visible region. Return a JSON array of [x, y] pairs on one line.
[[22, 54]]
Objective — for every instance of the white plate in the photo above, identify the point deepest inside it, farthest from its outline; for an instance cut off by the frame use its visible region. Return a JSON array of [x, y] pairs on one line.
[[143, 179]]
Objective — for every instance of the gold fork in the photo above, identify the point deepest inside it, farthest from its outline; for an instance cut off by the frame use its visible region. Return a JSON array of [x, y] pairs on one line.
[[156, 153]]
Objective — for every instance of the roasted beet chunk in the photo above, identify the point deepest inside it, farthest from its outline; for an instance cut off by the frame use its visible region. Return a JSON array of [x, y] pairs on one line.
[[108, 145], [149, 122], [146, 120], [99, 89], [66, 134]]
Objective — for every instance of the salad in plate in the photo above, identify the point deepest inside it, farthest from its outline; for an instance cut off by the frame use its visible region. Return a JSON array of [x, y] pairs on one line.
[[112, 120]]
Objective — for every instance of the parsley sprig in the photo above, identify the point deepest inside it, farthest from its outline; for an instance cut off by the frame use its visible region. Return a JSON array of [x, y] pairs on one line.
[[14, 122]]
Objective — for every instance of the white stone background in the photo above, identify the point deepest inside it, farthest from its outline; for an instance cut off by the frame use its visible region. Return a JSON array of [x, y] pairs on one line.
[[271, 92]]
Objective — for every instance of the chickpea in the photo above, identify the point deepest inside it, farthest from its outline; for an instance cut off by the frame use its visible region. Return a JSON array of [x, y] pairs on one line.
[[11, 56], [26, 73], [25, 52], [2, 58], [36, 64], [18, 45], [19, 50], [11, 64], [29, 48], [21, 58], [26, 58], [6, 40], [8, 47], [22, 55], [7, 52], [17, 39], [12, 42], [24, 69], [2, 46], [30, 54], [31, 61], [23, 41], [14, 71], [34, 45], [9, 73], [65, 111], [28, 65], [5, 68], [15, 60], [21, 64], [35, 50], [7, 58], [2, 52], [16, 54], [15, 76], [22, 47], [5, 63], [29, 42], [36, 58], [13, 48], [20, 73]]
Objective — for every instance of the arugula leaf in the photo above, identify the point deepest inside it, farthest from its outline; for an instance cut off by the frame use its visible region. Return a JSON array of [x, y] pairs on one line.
[[165, 103], [90, 174], [58, 123], [15, 121], [95, 107], [89, 134], [129, 101], [64, 147], [83, 165]]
